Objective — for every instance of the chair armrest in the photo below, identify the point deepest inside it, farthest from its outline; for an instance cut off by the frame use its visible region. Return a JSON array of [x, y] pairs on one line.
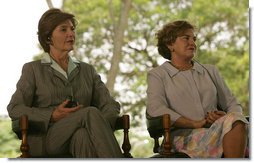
[[15, 124], [34, 127], [20, 127], [122, 122], [155, 126], [158, 127]]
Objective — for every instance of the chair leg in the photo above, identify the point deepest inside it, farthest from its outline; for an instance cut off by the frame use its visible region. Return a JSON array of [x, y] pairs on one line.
[[156, 145], [126, 146], [24, 147]]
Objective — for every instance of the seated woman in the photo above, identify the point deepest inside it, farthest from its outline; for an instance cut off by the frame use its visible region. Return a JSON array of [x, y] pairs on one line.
[[207, 120], [66, 96]]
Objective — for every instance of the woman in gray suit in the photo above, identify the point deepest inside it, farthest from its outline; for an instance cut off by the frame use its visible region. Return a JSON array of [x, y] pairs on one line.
[[66, 98]]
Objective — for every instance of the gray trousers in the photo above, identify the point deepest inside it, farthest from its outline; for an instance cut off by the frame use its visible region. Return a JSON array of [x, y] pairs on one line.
[[84, 134]]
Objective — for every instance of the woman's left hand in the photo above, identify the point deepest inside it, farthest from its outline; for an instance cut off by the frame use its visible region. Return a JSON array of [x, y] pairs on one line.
[[61, 111], [212, 116]]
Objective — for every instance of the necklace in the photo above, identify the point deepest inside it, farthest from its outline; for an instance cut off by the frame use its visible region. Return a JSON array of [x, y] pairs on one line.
[[183, 68]]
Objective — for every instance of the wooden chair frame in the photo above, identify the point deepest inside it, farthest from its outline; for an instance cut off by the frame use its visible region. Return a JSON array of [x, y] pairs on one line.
[[160, 127], [21, 128]]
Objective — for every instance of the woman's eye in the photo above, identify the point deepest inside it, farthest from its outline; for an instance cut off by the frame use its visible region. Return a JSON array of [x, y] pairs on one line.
[[185, 37], [63, 29], [188, 38]]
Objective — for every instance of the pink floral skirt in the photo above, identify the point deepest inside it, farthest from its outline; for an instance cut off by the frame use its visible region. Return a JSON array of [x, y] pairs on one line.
[[206, 142]]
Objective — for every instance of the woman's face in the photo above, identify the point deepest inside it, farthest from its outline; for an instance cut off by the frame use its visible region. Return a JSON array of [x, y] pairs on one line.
[[184, 47], [63, 37]]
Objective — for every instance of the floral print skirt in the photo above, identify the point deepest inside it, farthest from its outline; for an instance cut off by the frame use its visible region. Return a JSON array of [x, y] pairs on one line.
[[205, 142]]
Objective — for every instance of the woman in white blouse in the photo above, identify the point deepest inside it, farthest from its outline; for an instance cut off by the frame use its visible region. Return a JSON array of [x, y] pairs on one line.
[[206, 118]]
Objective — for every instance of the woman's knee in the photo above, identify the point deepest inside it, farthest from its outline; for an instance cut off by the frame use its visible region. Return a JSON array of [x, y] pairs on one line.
[[83, 112], [88, 113], [241, 126], [93, 111]]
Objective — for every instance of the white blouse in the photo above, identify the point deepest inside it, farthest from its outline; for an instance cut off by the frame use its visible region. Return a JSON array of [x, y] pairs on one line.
[[71, 64], [191, 93]]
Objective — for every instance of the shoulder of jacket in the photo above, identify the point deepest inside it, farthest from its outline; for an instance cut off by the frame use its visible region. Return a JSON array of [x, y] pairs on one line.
[[33, 63], [86, 66], [210, 67], [157, 69]]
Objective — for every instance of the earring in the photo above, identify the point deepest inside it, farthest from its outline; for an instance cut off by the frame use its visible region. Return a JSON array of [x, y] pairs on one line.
[[48, 40]]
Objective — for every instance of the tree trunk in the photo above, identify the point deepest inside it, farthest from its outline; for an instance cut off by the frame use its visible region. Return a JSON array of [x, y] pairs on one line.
[[118, 43], [50, 4]]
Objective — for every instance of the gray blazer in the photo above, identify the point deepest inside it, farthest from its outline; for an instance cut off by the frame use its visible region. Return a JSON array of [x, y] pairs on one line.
[[41, 88]]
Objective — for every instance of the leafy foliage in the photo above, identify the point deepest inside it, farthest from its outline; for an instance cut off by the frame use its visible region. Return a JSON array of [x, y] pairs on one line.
[[8, 140]]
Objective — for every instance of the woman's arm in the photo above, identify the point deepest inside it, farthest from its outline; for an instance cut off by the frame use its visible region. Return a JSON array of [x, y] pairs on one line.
[[22, 100], [226, 100], [157, 103], [183, 122]]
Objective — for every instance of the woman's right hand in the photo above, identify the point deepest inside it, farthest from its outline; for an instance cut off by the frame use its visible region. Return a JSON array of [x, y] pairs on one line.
[[199, 124], [61, 111], [212, 116]]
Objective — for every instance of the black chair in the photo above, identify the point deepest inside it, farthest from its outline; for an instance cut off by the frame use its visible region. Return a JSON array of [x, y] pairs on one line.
[[160, 127], [21, 127]]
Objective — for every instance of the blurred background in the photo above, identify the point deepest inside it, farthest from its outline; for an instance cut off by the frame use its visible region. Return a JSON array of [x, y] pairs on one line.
[[118, 38]]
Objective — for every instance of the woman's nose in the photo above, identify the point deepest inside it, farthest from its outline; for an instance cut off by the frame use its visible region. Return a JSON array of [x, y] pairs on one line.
[[71, 33], [192, 41]]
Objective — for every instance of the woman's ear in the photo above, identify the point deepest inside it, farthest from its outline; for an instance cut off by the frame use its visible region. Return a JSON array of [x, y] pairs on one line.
[[170, 47]]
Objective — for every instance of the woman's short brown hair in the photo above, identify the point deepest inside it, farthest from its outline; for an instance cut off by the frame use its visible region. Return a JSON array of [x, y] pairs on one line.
[[48, 22], [168, 34]]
